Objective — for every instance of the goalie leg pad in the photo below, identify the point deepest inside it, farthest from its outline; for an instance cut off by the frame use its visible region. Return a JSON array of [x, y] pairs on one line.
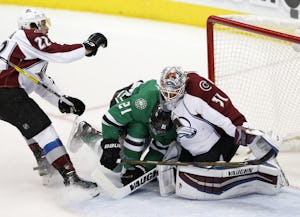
[[166, 179], [220, 183]]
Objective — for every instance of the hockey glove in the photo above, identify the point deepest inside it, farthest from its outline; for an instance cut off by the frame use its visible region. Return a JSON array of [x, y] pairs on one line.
[[77, 109], [267, 143], [94, 42], [260, 143], [242, 137], [132, 174], [111, 153]]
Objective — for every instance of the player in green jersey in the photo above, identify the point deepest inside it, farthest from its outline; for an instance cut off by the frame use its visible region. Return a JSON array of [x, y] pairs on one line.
[[127, 132]]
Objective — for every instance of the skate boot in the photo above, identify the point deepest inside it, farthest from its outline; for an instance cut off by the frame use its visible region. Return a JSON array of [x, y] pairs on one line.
[[43, 166], [79, 130], [81, 133], [72, 179]]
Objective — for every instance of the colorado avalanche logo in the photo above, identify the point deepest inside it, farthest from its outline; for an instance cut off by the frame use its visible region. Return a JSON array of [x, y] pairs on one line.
[[140, 104], [185, 130], [204, 85]]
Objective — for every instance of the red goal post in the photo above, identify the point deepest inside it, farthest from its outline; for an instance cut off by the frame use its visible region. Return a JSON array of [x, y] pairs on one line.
[[256, 61]]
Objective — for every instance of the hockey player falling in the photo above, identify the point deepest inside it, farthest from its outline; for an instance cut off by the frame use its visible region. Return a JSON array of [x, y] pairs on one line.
[[126, 126], [24, 59], [209, 129]]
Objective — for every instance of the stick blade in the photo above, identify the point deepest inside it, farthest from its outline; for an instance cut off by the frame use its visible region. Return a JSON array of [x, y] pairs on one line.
[[118, 193], [106, 184]]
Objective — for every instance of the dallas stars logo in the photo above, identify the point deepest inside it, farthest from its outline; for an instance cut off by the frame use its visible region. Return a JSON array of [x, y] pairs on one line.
[[140, 104]]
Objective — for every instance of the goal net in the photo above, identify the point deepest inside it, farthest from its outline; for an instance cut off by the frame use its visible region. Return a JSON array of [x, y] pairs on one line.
[[256, 61]]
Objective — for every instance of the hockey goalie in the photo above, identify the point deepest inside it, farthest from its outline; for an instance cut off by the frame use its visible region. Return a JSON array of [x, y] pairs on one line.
[[210, 129]]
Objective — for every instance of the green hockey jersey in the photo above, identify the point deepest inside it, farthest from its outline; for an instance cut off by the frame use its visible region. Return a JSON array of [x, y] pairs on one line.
[[133, 114]]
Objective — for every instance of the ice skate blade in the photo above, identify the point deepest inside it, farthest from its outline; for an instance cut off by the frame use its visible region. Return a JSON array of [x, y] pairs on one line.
[[74, 144]]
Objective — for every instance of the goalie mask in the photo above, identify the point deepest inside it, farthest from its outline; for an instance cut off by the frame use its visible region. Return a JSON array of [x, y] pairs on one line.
[[32, 16], [160, 121], [172, 84]]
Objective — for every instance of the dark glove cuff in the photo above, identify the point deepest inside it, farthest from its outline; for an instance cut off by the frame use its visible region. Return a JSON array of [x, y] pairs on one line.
[[111, 145], [108, 141], [140, 167]]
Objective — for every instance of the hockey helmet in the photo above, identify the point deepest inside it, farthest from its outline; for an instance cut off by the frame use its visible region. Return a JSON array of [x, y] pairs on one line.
[[172, 83], [30, 16], [160, 121]]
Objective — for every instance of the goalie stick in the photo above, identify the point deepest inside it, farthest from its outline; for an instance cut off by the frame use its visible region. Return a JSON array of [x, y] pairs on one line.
[[36, 81], [223, 164], [119, 193], [285, 180]]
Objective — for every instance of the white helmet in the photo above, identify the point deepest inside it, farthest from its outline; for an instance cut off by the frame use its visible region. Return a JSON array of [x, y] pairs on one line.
[[31, 16], [172, 84]]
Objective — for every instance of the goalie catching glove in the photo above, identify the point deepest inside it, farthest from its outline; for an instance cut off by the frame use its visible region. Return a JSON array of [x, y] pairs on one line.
[[77, 108], [259, 143], [132, 174], [94, 42], [111, 153]]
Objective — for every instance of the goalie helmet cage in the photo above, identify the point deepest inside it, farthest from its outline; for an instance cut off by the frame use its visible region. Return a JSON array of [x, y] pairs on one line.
[[256, 61]]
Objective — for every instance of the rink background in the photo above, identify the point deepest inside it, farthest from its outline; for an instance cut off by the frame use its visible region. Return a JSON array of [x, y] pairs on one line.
[[182, 12], [137, 49]]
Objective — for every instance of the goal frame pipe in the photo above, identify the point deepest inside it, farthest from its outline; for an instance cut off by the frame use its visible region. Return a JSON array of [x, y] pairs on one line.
[[231, 23]]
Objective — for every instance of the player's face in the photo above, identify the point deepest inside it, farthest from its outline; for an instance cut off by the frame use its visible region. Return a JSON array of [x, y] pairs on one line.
[[170, 95], [45, 26]]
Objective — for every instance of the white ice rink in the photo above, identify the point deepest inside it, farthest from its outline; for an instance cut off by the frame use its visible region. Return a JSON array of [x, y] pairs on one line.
[[137, 49]]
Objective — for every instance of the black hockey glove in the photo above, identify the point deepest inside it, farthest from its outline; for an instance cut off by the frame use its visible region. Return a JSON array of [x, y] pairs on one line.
[[77, 109], [111, 153], [94, 42], [132, 174]]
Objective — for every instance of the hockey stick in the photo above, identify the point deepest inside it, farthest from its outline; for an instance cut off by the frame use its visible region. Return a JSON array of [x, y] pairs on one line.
[[36, 81], [178, 163], [119, 193], [223, 164], [285, 180]]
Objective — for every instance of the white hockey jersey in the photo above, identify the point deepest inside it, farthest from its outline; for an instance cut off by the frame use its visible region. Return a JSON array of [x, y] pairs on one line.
[[208, 111], [31, 51]]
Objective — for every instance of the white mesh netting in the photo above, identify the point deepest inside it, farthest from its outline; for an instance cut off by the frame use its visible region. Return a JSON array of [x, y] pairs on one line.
[[261, 74]]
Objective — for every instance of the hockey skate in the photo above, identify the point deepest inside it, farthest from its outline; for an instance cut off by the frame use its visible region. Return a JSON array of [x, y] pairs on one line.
[[45, 169], [79, 130], [72, 179]]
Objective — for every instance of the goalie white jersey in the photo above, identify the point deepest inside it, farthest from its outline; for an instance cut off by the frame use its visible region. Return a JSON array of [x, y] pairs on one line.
[[207, 112]]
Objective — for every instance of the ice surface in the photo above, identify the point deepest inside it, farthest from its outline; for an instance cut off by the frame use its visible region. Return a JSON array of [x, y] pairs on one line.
[[137, 49]]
